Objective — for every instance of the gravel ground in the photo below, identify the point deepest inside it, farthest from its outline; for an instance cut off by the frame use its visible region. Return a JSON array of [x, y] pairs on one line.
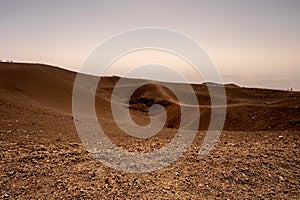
[[243, 165]]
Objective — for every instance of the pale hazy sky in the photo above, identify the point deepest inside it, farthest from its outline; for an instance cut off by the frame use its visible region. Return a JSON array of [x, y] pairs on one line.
[[253, 42]]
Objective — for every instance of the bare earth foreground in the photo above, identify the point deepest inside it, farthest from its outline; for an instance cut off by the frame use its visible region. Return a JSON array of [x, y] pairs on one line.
[[42, 157]]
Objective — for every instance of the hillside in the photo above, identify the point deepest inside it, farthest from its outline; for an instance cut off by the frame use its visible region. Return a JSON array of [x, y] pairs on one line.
[[50, 88], [42, 157]]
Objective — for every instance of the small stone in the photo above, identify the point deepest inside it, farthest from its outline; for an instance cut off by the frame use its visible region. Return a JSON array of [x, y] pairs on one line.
[[11, 173]]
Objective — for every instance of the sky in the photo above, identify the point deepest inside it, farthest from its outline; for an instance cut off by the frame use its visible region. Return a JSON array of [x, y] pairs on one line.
[[253, 43]]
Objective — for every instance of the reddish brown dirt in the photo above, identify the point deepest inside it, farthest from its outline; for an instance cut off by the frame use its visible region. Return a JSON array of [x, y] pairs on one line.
[[42, 156]]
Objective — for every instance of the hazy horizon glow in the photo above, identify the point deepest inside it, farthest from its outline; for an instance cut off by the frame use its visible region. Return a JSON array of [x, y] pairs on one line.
[[253, 43]]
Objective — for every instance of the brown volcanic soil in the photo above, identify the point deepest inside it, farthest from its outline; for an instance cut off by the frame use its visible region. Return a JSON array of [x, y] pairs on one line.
[[42, 156]]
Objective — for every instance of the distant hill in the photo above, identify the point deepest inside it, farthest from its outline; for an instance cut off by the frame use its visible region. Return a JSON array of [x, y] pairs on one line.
[[38, 88]]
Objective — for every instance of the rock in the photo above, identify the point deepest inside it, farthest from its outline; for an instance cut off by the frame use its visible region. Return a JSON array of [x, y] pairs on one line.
[[281, 178]]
